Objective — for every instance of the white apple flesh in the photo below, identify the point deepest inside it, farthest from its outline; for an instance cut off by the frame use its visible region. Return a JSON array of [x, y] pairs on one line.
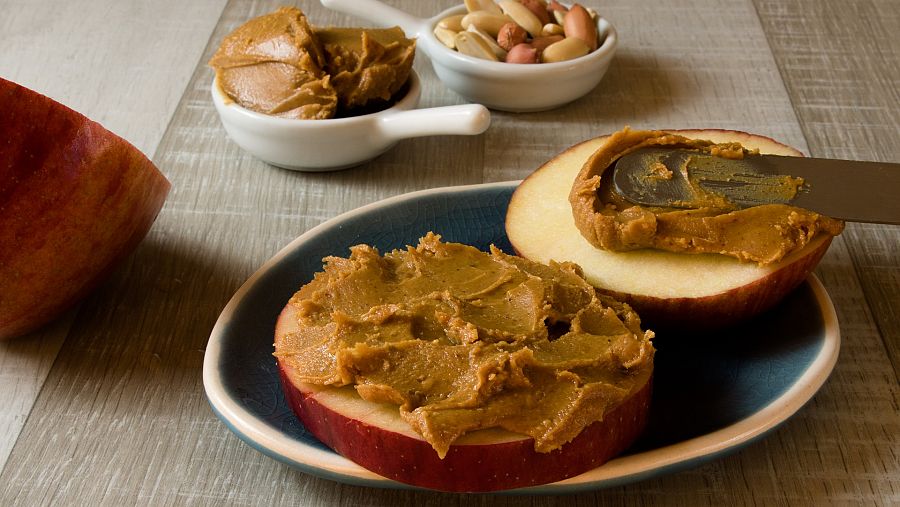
[[375, 437], [671, 291]]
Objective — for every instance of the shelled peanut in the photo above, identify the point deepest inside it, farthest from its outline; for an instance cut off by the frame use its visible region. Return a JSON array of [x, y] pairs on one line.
[[520, 31]]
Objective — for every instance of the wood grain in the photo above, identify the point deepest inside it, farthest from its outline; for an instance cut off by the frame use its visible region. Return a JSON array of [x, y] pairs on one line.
[[122, 65], [841, 66], [122, 418], [849, 108]]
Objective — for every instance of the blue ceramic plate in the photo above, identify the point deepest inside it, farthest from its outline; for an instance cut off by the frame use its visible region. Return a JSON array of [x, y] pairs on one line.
[[709, 399]]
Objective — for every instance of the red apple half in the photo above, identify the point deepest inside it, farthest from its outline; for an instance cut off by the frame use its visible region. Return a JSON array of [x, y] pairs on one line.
[[375, 437], [74, 199], [671, 291]]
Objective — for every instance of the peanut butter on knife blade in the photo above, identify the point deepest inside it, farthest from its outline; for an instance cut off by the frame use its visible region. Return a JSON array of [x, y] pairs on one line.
[[763, 234]]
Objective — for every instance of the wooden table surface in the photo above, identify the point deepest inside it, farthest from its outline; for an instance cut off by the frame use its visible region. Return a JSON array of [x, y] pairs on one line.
[[106, 406]]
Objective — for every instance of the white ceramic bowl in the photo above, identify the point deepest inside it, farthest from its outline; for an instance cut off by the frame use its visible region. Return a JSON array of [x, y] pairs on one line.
[[498, 85], [324, 145]]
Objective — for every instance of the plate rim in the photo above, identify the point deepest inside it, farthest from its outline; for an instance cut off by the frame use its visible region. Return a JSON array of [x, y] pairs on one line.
[[626, 469]]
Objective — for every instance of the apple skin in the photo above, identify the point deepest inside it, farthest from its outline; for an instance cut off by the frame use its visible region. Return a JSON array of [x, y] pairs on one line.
[[75, 199], [467, 467], [709, 313], [540, 227], [487, 460]]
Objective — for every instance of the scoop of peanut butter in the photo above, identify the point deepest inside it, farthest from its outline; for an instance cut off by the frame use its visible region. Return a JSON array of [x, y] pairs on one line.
[[763, 234], [278, 64], [273, 64], [461, 340], [366, 64]]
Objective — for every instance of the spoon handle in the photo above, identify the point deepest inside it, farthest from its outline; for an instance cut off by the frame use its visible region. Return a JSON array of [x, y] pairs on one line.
[[466, 119], [380, 14]]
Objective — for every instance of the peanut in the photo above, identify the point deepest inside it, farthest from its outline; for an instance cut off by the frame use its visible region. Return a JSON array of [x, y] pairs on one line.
[[556, 6], [578, 24], [485, 21], [452, 22], [522, 16], [482, 5], [471, 44], [522, 53], [552, 29], [566, 49], [559, 16], [499, 52], [538, 8], [446, 36], [559, 11], [510, 35], [541, 43]]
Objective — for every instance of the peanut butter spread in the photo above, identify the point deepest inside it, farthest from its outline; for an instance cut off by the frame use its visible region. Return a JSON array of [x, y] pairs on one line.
[[278, 64], [462, 340], [366, 65], [763, 234]]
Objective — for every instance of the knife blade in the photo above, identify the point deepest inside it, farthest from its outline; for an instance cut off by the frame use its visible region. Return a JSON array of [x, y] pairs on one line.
[[845, 189]]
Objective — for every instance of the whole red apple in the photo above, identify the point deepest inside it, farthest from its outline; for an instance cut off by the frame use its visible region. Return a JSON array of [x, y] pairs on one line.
[[74, 200]]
